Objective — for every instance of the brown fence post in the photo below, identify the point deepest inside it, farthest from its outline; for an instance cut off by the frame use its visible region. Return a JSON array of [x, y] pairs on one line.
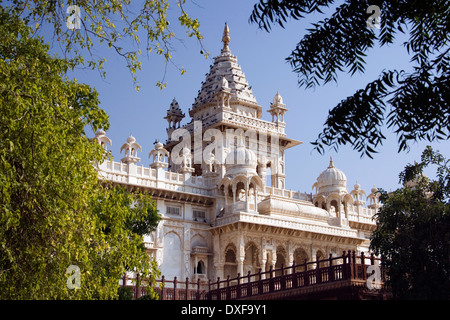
[[282, 278], [260, 283], [174, 288], [238, 287], [124, 279], [294, 276], [218, 289], [305, 274], [330, 268], [162, 288], [187, 289], [318, 274], [137, 287], [349, 265], [209, 290], [271, 285], [228, 292], [363, 265], [345, 269], [249, 285], [197, 296]]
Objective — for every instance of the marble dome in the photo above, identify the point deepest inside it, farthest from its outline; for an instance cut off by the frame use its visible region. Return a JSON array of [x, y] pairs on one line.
[[241, 160], [241, 156], [332, 180]]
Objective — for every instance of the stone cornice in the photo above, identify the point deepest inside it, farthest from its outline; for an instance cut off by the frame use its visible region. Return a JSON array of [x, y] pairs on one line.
[[276, 225]]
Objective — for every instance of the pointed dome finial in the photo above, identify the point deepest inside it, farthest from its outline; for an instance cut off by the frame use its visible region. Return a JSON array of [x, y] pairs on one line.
[[226, 38], [331, 163]]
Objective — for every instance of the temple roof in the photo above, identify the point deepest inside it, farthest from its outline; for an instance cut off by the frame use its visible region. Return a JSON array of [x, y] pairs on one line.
[[225, 67]]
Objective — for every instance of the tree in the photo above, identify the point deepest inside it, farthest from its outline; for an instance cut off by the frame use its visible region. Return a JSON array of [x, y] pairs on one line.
[[81, 26], [54, 210], [413, 233], [419, 101]]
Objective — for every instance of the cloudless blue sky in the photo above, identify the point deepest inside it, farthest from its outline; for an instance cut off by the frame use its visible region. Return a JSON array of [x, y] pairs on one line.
[[261, 56]]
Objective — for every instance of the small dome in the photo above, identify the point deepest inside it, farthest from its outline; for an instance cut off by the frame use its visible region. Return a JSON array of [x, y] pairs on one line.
[[277, 100], [159, 145], [174, 105], [174, 110], [131, 139], [241, 156], [357, 186], [332, 179], [100, 132]]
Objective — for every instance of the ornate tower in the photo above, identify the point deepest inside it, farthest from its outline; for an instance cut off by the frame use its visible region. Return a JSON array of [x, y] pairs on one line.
[[277, 109], [102, 139], [224, 114], [174, 117], [130, 149]]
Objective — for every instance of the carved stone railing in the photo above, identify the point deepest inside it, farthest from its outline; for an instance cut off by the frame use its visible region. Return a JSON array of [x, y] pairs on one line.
[[148, 177]]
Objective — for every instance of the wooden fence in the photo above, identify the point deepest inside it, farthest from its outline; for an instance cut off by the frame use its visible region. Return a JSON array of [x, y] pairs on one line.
[[349, 266]]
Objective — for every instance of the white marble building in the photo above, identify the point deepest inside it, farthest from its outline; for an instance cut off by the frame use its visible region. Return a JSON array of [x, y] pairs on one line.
[[219, 184]]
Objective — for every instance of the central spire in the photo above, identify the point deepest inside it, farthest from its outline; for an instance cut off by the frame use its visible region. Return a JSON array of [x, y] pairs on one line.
[[226, 38], [225, 76]]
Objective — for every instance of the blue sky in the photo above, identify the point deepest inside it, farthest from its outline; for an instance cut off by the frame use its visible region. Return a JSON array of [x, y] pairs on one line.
[[262, 58]]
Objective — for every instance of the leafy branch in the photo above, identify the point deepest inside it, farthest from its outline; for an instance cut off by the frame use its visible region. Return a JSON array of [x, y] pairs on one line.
[[418, 102], [113, 23]]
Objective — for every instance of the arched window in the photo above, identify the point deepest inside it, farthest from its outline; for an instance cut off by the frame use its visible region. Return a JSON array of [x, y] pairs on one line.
[[299, 257], [334, 208], [320, 256], [230, 267], [281, 259], [200, 268], [230, 256]]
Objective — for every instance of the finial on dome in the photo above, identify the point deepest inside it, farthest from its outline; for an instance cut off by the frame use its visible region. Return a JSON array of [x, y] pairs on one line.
[[331, 163], [159, 145], [226, 38], [131, 139]]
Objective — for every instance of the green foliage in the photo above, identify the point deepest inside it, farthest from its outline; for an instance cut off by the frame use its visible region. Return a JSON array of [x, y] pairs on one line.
[[413, 233], [419, 102], [54, 210], [149, 297], [116, 24], [125, 293]]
